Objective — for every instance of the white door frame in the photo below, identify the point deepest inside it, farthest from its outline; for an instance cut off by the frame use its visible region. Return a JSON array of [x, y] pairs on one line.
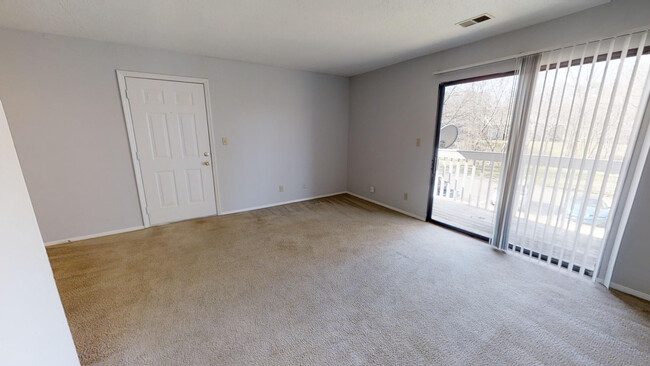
[[121, 81]]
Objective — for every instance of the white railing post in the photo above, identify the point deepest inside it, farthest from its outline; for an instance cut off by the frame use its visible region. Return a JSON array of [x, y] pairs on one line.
[[487, 197], [462, 196], [457, 179], [480, 183], [443, 189]]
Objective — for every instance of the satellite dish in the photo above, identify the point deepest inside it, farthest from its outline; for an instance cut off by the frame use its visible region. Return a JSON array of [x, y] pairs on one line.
[[448, 136]]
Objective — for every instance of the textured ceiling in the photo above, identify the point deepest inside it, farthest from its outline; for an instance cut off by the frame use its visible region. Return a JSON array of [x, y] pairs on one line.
[[343, 37]]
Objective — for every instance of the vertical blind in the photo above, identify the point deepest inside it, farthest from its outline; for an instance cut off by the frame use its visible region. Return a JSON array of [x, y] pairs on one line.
[[527, 68], [584, 112]]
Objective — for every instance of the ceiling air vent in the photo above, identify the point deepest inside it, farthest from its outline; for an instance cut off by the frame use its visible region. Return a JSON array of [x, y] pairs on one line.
[[475, 20]]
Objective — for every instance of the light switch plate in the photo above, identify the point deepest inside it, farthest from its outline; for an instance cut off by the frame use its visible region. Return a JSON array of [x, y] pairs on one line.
[[224, 141]]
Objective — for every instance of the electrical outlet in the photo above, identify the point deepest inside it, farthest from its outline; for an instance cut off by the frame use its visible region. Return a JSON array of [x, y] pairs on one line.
[[417, 142], [224, 141], [372, 189], [281, 188], [406, 196]]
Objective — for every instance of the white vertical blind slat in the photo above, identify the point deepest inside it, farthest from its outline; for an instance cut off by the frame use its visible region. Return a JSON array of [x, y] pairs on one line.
[[519, 109], [527, 162]]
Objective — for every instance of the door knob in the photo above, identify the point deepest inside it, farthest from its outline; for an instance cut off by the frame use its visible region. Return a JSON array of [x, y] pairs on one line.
[[206, 163], [206, 154]]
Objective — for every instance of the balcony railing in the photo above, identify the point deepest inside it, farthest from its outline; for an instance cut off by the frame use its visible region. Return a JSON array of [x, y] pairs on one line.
[[472, 177]]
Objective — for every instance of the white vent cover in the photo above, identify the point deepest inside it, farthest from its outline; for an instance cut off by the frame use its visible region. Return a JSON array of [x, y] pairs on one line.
[[475, 20]]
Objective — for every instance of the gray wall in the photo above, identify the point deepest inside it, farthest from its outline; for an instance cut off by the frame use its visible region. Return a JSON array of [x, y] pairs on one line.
[[62, 100], [391, 107], [33, 327]]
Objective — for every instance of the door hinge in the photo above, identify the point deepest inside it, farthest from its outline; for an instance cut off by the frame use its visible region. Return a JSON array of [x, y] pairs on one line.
[[137, 155], [127, 92]]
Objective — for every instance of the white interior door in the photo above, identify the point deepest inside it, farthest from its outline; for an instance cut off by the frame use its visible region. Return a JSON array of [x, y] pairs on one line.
[[173, 148]]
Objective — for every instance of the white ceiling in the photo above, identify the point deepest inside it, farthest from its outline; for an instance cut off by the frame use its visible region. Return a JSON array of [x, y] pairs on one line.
[[343, 37]]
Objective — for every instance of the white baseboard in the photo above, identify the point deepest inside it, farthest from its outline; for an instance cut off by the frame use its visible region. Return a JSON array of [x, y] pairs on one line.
[[629, 291], [280, 203], [387, 206], [92, 236], [120, 231]]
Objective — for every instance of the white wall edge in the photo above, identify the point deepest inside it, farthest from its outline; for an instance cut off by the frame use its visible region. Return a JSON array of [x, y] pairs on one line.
[[629, 291], [387, 206], [92, 236], [281, 203]]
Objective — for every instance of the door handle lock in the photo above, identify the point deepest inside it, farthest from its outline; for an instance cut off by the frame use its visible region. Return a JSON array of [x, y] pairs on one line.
[[206, 154], [206, 163]]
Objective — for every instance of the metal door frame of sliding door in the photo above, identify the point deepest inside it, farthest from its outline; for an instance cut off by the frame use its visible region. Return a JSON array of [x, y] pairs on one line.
[[436, 144]]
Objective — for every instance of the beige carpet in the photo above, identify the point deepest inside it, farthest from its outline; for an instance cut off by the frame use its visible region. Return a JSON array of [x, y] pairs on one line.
[[334, 281]]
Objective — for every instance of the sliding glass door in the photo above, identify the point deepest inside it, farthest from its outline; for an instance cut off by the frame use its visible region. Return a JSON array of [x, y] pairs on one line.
[[474, 115], [536, 161]]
